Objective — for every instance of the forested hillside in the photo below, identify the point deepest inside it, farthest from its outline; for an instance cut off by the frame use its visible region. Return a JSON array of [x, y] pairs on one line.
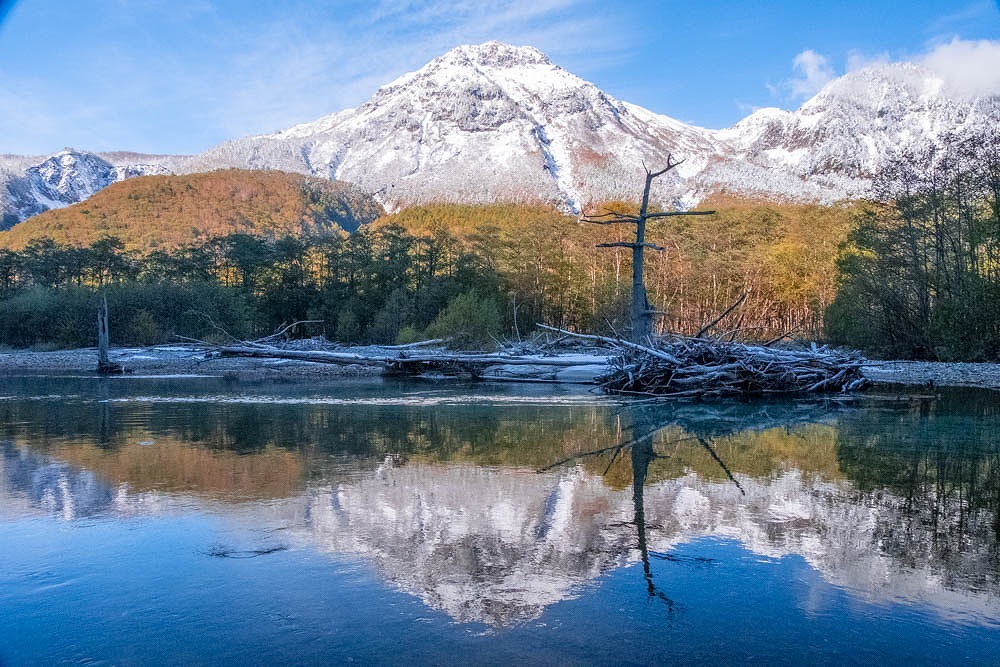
[[151, 212]]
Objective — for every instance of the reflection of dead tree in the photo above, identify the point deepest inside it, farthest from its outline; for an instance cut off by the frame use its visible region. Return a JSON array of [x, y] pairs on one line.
[[642, 451], [642, 455], [722, 464]]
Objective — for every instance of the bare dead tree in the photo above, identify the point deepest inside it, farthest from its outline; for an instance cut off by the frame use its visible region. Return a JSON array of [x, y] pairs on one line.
[[641, 312], [104, 364]]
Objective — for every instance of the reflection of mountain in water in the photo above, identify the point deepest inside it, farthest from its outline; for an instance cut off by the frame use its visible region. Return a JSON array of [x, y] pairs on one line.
[[50, 485], [498, 546], [483, 544]]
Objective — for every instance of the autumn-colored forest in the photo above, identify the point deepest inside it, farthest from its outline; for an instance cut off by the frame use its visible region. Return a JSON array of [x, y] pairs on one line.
[[480, 273]]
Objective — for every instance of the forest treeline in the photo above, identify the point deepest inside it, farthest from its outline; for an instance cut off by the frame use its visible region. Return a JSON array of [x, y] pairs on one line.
[[476, 273]]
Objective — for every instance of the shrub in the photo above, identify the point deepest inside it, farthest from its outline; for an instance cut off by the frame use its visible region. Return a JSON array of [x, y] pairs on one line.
[[468, 320]]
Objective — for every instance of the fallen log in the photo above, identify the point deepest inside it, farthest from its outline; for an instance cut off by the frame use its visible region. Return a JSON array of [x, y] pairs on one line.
[[574, 368]]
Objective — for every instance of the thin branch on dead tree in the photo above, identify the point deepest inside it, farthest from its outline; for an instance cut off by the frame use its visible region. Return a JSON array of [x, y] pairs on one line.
[[721, 316]]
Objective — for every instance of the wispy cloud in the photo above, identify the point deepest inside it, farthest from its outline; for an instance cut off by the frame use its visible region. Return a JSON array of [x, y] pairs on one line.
[[306, 65], [966, 18], [857, 60], [146, 72], [812, 71]]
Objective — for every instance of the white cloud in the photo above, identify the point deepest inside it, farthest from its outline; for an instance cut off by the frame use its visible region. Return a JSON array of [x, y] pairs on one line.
[[968, 67], [813, 72]]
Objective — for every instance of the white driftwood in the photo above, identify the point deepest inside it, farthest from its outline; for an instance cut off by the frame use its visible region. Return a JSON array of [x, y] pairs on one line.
[[699, 367], [679, 367], [495, 366]]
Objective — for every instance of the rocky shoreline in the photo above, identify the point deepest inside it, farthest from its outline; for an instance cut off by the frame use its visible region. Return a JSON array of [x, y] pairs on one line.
[[182, 361], [169, 361], [934, 374]]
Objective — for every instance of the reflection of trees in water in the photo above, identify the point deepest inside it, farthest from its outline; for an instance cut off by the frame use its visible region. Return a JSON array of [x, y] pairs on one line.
[[927, 471], [940, 460], [492, 435]]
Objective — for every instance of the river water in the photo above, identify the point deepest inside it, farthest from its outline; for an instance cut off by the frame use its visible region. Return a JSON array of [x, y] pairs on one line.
[[194, 520]]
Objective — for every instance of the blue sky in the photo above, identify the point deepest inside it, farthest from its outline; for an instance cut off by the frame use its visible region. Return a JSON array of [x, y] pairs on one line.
[[179, 76]]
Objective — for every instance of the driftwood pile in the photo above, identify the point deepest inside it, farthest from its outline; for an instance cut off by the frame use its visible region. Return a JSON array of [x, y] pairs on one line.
[[695, 367], [678, 366]]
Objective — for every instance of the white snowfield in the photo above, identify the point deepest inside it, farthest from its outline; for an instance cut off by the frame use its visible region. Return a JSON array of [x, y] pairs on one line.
[[495, 122]]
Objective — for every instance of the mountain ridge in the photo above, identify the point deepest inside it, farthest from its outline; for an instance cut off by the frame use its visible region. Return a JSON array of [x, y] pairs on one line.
[[494, 122]]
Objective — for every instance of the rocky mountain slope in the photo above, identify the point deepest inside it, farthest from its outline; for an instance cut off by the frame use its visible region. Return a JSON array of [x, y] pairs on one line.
[[497, 122], [29, 185]]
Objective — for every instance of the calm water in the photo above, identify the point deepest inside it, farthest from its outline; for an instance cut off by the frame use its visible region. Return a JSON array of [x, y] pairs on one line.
[[188, 520]]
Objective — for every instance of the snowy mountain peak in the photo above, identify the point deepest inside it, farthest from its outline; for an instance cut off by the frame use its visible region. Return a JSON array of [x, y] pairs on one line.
[[879, 86], [495, 55]]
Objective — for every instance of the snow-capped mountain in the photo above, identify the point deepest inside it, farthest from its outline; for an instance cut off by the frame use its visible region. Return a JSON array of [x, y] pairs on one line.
[[482, 123], [497, 122], [67, 177], [841, 137]]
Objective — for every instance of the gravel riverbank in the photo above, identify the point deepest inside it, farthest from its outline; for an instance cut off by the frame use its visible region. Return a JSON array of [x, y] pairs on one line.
[[934, 373], [170, 361], [182, 361]]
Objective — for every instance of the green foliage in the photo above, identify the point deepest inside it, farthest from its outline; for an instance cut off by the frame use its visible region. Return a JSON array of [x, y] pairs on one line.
[[146, 313], [66, 317], [414, 271], [409, 335], [469, 320], [391, 318], [920, 272]]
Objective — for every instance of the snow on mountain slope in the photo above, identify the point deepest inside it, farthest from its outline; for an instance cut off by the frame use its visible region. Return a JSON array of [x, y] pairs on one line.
[[497, 122], [848, 131], [65, 178], [478, 124]]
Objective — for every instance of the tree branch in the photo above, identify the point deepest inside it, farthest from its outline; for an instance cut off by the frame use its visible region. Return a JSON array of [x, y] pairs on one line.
[[722, 315], [671, 214], [660, 354], [627, 244], [615, 219]]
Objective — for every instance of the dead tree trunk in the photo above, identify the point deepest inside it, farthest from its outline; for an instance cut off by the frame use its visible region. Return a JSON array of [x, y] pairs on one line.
[[104, 364], [641, 312]]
